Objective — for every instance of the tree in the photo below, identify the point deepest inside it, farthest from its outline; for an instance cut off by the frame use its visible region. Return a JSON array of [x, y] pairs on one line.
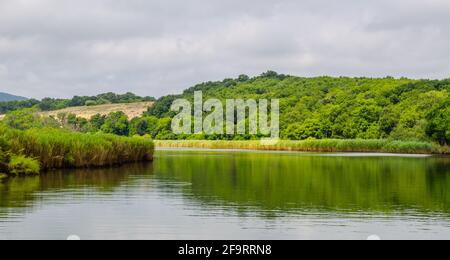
[[162, 106], [97, 121], [138, 126], [438, 127], [116, 123], [243, 78]]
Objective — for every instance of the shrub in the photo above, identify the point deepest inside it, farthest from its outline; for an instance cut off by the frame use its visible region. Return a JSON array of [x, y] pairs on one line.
[[90, 103], [21, 165], [23, 119]]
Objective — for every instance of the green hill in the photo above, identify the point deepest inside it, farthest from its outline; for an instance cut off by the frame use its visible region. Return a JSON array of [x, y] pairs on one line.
[[8, 97], [321, 108], [339, 108]]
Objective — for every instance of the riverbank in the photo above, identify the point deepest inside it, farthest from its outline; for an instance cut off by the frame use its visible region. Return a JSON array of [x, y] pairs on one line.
[[346, 146], [56, 148]]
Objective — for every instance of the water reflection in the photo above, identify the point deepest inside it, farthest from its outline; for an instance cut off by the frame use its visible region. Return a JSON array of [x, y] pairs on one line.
[[291, 181], [23, 191], [205, 194]]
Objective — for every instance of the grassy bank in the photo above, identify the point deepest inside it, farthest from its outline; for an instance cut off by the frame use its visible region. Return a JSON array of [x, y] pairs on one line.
[[55, 148], [372, 146]]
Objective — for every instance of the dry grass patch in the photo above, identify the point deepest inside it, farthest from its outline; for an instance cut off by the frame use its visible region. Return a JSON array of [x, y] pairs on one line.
[[130, 109]]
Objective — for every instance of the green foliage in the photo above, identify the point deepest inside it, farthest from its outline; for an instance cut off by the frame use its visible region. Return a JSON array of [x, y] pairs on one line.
[[337, 108], [97, 121], [13, 164], [162, 106], [311, 108], [116, 123], [439, 123], [21, 165], [23, 119], [139, 126], [8, 106]]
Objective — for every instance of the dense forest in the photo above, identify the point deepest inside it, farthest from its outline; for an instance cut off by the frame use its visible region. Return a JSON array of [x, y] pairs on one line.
[[340, 108], [49, 104], [311, 108]]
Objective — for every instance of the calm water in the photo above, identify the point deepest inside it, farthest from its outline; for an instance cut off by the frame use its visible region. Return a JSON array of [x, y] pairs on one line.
[[235, 195]]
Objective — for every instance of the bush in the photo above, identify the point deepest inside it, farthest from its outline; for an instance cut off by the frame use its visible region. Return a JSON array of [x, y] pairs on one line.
[[21, 165], [23, 119], [90, 103]]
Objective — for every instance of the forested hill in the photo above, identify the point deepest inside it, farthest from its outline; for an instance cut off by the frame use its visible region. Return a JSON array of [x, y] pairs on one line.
[[327, 107], [8, 97]]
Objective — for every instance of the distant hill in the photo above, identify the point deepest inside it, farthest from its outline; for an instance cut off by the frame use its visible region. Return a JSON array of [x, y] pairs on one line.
[[8, 97]]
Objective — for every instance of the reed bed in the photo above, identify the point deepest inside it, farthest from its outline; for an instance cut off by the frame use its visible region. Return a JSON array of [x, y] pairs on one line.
[[56, 148], [330, 145]]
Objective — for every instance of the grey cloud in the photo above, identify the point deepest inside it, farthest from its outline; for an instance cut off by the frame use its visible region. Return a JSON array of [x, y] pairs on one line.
[[62, 48]]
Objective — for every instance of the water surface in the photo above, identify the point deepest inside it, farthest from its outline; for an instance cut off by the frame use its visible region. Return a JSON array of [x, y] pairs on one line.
[[235, 195]]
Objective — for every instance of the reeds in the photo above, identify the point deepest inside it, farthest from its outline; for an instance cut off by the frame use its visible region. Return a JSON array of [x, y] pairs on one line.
[[55, 148], [327, 145]]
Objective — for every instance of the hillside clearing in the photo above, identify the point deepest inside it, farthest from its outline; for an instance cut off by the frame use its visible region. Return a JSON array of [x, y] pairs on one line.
[[130, 109]]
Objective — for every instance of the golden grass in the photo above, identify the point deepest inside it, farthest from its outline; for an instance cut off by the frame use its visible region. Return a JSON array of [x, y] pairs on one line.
[[369, 146], [130, 109]]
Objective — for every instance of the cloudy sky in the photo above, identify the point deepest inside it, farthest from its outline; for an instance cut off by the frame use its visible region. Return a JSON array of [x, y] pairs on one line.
[[61, 48]]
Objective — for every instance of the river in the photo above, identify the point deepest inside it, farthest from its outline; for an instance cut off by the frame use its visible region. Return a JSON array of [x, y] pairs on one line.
[[235, 195]]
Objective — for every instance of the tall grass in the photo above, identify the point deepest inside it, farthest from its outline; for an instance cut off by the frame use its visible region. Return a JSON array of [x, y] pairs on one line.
[[330, 145], [55, 148]]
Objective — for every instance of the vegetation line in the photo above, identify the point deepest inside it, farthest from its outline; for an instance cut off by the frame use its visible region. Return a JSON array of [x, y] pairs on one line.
[[329, 145]]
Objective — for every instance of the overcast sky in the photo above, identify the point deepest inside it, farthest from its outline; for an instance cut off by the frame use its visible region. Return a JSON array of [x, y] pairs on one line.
[[61, 48]]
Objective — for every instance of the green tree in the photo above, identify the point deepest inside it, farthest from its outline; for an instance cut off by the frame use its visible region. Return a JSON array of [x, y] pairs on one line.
[[162, 106], [97, 121], [138, 126], [438, 127], [116, 123]]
